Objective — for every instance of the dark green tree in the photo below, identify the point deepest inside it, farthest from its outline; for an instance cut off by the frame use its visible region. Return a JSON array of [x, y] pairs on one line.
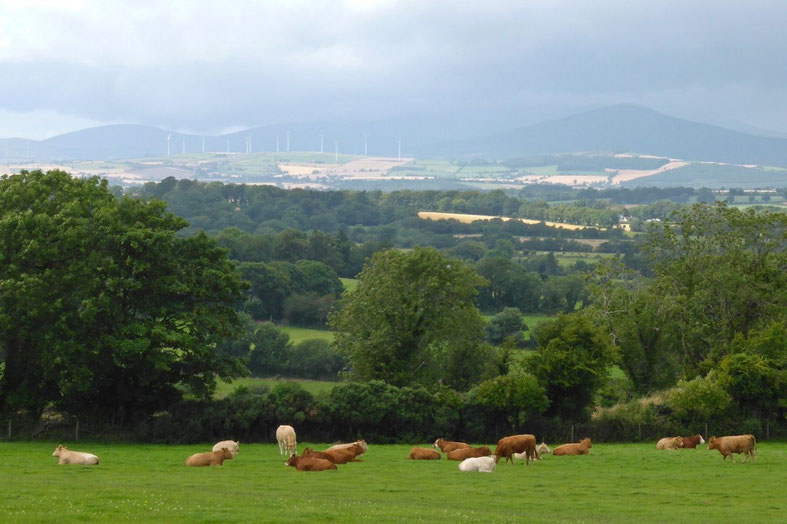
[[571, 362], [102, 307], [408, 314]]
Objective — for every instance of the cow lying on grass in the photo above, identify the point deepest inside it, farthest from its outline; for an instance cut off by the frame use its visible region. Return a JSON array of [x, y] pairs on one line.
[[581, 448], [670, 443], [211, 458], [693, 442], [481, 464], [231, 445], [361, 443], [309, 463], [67, 456], [423, 454], [466, 453], [447, 446], [734, 444], [336, 456]]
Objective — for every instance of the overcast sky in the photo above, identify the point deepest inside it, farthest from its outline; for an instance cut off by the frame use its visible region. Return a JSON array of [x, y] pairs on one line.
[[212, 66]]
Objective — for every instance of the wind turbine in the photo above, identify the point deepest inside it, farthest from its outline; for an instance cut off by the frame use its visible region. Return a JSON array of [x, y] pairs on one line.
[[288, 140], [399, 154], [337, 150], [168, 138], [184, 145], [228, 145], [322, 135], [203, 144], [365, 144], [277, 143], [249, 151]]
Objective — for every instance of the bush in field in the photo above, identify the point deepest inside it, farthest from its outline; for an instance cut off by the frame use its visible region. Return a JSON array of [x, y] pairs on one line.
[[270, 352], [698, 399], [314, 359], [507, 323], [513, 397]]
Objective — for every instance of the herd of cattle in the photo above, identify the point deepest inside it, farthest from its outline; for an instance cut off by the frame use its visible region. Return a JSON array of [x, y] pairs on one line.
[[520, 447]]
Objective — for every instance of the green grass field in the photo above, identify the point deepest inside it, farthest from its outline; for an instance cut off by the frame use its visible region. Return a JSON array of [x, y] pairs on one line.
[[315, 387], [298, 334], [615, 483]]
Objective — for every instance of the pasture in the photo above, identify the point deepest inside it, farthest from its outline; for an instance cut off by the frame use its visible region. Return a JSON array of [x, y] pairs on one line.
[[615, 483], [315, 387]]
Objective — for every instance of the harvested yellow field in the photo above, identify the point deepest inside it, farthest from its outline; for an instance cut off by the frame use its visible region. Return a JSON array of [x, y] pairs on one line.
[[624, 175], [467, 218]]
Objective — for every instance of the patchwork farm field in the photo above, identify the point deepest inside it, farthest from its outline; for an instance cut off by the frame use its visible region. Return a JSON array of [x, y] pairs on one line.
[[616, 482]]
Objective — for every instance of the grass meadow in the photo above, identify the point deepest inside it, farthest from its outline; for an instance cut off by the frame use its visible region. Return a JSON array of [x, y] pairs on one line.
[[615, 483], [315, 387]]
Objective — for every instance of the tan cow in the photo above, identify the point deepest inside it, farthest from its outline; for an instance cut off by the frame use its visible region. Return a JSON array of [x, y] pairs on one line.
[[447, 446], [362, 443], [466, 453], [670, 443], [507, 446], [309, 463], [285, 436], [582, 448], [67, 456], [423, 454], [541, 449], [211, 458], [231, 445], [734, 444], [336, 456]]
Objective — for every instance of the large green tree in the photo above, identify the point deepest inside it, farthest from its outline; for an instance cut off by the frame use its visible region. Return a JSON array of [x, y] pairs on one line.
[[409, 314], [102, 307]]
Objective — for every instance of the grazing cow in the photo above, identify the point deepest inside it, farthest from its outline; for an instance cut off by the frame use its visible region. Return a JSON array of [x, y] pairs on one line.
[[423, 454], [447, 446], [670, 443], [582, 448], [734, 444], [230, 445], [692, 442], [337, 456], [482, 464], [362, 443], [67, 456], [285, 436], [309, 463], [466, 453], [211, 458], [507, 446], [541, 449]]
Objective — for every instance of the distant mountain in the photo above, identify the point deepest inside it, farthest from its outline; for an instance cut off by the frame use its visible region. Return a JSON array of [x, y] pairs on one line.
[[625, 128], [614, 129]]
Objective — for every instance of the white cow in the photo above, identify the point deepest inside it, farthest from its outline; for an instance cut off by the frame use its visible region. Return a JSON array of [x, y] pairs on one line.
[[285, 436], [74, 457], [482, 464], [541, 449], [361, 443], [229, 444]]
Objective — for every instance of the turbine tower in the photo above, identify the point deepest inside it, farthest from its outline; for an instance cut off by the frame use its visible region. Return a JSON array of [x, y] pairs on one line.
[[228, 145], [277, 143], [322, 135], [337, 150], [288, 140], [169, 136], [249, 141], [399, 153], [184, 145], [203, 144], [365, 144]]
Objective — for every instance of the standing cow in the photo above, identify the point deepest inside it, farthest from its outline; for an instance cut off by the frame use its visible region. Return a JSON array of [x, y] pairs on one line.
[[285, 436], [507, 446], [734, 444]]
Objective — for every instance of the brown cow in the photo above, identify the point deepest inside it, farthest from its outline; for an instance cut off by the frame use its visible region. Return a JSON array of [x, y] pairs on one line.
[[692, 442], [361, 443], [670, 443], [447, 446], [507, 446], [335, 456], [211, 458], [423, 454], [582, 448], [734, 444], [466, 453], [309, 463]]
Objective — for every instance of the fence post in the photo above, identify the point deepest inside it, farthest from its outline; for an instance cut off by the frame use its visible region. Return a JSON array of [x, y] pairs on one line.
[[76, 431]]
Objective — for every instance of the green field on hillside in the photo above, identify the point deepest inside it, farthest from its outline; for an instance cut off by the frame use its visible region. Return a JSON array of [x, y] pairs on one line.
[[299, 334], [615, 483], [315, 387]]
